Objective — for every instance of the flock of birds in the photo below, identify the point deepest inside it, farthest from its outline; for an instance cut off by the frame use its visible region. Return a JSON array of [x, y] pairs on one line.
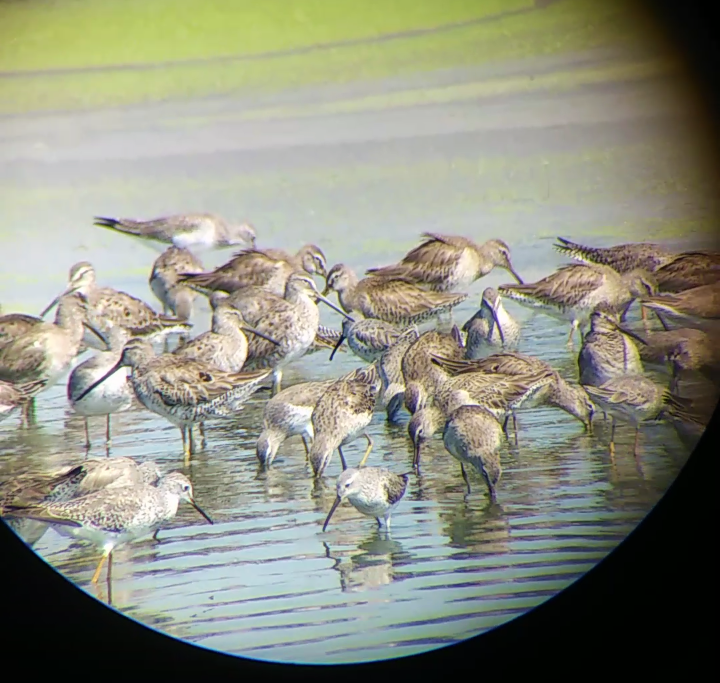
[[463, 383]]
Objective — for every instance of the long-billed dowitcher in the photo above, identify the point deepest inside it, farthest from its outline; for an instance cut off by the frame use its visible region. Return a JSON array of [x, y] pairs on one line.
[[608, 350], [368, 338], [622, 258], [289, 413], [372, 491], [14, 324], [14, 396], [572, 292], [390, 368], [342, 414], [688, 270], [632, 398], [491, 327], [446, 263], [109, 307], [94, 474], [266, 268], [292, 321], [174, 296], [421, 376], [691, 307], [393, 300], [572, 398], [225, 346], [688, 422], [694, 355], [115, 516], [181, 390], [473, 436], [200, 230], [114, 395], [47, 350]]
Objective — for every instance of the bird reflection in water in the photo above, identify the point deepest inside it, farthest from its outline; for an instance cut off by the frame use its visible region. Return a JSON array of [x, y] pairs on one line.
[[370, 564], [478, 525]]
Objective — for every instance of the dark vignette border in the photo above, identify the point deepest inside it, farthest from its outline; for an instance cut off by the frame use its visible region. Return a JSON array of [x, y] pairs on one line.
[[643, 608]]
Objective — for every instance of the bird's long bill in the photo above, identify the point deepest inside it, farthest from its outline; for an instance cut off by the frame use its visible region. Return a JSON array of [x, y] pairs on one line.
[[99, 335], [497, 324], [111, 371], [326, 291], [201, 511], [327, 302], [337, 346], [416, 455], [515, 275], [252, 330], [630, 333], [332, 511], [55, 302]]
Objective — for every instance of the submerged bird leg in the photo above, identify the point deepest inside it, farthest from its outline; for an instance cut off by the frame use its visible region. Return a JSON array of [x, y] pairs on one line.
[[612, 437], [201, 429], [342, 458], [96, 575], [367, 452], [108, 436], [307, 450], [515, 427], [155, 535], [377, 519], [88, 445], [505, 424], [465, 477]]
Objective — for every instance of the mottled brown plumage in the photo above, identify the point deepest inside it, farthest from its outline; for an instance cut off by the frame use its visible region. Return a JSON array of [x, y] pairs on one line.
[[688, 270], [623, 258], [446, 263], [393, 300], [690, 307], [175, 297]]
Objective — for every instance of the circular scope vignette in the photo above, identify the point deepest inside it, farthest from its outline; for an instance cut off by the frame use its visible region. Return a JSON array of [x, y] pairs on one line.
[[338, 332]]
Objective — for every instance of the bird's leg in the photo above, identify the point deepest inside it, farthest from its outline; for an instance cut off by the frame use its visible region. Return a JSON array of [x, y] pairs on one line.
[[307, 450], [201, 429], [342, 458], [612, 438], [277, 381], [515, 428], [637, 435], [505, 424], [96, 575], [465, 477], [369, 448], [109, 579], [88, 445], [377, 519], [108, 434], [155, 535]]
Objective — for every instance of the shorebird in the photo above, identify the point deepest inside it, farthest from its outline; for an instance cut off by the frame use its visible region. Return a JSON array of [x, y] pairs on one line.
[[342, 414], [326, 338], [289, 413], [114, 395], [622, 258], [390, 369], [225, 346], [559, 393], [175, 297], [500, 395], [394, 300], [368, 338], [446, 263], [292, 321], [266, 268], [692, 307], [689, 424], [94, 474], [608, 350], [372, 491], [491, 327], [181, 390], [688, 270], [108, 308], [421, 376], [185, 231], [114, 516], [473, 436], [632, 398], [572, 292], [47, 351], [14, 396]]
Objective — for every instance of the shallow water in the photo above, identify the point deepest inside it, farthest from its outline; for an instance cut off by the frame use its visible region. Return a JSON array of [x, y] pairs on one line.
[[264, 581]]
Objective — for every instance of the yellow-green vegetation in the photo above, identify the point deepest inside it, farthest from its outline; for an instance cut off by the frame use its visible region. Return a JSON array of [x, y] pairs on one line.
[[232, 41]]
